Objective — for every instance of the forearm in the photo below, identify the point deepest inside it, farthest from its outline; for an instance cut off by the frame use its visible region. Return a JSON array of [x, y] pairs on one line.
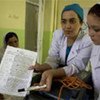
[[58, 73], [44, 67], [70, 69]]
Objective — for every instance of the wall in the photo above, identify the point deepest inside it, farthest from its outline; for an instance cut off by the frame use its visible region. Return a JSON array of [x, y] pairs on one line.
[[48, 27], [12, 18]]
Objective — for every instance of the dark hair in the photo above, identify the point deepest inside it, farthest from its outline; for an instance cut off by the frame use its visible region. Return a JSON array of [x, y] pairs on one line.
[[10, 35], [95, 10]]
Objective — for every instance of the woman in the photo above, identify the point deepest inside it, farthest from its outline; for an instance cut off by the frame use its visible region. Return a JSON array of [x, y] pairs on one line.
[[93, 21], [11, 39], [70, 46]]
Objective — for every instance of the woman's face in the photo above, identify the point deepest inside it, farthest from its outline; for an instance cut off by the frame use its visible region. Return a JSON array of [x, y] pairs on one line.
[[13, 41], [70, 23], [94, 28]]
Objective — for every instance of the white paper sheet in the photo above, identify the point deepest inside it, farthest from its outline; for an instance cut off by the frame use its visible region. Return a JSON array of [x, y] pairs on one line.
[[14, 73]]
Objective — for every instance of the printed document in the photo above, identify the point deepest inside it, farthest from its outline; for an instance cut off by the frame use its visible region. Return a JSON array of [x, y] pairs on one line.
[[14, 73]]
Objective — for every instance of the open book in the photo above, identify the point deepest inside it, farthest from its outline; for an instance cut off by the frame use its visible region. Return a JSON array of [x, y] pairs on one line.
[[14, 73]]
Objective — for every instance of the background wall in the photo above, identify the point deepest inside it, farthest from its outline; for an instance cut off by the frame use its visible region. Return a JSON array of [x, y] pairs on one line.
[[49, 20], [12, 18]]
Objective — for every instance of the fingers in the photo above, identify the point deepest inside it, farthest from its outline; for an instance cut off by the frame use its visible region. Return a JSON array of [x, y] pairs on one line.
[[35, 67], [48, 84], [31, 67], [42, 81], [46, 79]]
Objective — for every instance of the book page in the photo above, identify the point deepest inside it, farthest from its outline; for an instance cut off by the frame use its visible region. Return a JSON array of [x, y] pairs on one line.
[[14, 73]]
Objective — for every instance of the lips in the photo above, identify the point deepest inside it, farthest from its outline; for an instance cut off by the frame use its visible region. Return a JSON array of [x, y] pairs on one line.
[[68, 32]]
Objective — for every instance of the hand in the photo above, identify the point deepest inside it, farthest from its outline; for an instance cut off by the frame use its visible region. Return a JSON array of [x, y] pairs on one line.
[[40, 67], [47, 78], [49, 75], [35, 67]]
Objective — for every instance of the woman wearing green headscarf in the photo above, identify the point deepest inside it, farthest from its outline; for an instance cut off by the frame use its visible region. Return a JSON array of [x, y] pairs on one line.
[[70, 48]]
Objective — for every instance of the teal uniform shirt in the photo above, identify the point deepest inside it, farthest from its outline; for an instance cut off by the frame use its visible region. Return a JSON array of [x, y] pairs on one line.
[[67, 53]]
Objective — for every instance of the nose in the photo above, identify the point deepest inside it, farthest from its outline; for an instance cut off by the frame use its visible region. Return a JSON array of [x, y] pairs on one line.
[[14, 44], [91, 32], [68, 25]]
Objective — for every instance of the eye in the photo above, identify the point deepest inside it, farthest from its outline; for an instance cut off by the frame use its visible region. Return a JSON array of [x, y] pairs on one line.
[[97, 30], [63, 21], [73, 21]]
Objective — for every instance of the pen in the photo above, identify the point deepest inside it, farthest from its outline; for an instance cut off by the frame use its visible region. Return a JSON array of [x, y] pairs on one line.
[[32, 88]]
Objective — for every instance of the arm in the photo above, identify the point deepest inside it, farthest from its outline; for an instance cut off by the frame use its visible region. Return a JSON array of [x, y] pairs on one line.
[[48, 76], [52, 60], [40, 67], [82, 58]]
